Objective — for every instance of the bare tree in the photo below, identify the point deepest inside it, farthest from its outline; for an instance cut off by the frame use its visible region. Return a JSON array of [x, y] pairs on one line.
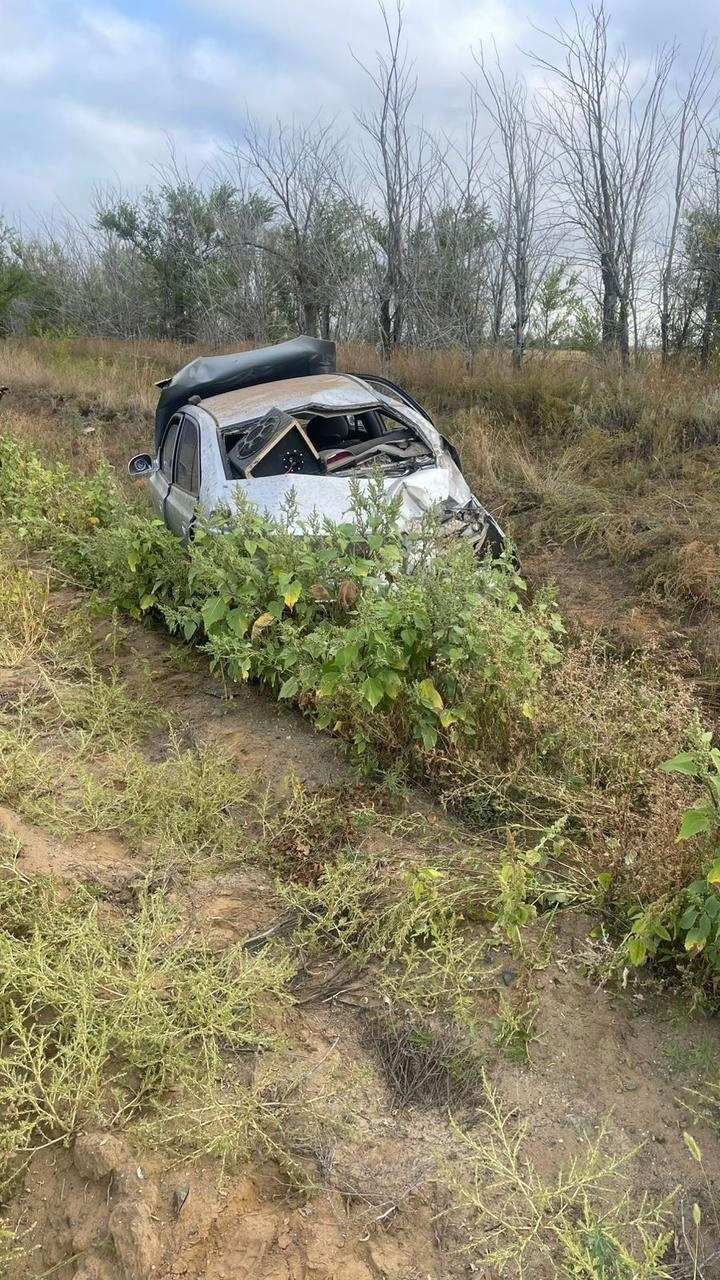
[[610, 136], [523, 164], [687, 133], [498, 266], [298, 167], [447, 257], [392, 161]]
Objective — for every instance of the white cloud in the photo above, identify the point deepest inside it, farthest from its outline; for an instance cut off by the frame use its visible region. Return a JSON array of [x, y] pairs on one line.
[[90, 92]]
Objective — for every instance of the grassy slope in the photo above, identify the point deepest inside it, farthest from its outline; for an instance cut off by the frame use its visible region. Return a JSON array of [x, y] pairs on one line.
[[530, 448]]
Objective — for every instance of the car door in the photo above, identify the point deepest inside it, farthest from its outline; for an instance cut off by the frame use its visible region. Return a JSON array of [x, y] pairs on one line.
[[161, 478], [182, 499]]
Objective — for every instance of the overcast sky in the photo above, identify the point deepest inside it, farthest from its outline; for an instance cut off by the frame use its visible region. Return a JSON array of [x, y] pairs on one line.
[[91, 92]]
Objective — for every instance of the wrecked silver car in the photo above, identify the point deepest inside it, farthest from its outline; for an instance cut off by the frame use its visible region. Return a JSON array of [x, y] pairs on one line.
[[282, 419]]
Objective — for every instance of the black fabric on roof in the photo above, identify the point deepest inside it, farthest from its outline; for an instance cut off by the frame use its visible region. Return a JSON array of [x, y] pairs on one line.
[[211, 375]]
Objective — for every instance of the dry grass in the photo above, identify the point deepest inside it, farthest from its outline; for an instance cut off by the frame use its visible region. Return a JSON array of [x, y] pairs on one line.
[[583, 1221], [432, 1063]]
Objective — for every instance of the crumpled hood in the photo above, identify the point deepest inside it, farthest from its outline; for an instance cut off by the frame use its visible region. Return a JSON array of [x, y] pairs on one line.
[[330, 497]]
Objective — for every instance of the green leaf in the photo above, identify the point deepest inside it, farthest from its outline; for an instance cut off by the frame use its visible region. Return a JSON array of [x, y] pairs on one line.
[[429, 736], [292, 594], [346, 656], [372, 691], [429, 695], [712, 906], [213, 611], [695, 822], [688, 918], [289, 688], [327, 685], [637, 951], [713, 875], [684, 763], [704, 925], [147, 602], [393, 683], [237, 621], [697, 889]]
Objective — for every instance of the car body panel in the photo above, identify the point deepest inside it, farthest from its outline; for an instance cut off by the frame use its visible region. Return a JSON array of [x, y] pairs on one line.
[[330, 497], [336, 392]]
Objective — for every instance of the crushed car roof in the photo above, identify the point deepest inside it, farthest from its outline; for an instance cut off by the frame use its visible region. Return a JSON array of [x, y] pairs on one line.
[[211, 375], [326, 393]]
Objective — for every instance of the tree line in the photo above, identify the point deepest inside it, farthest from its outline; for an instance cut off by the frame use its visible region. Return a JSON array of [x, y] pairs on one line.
[[582, 213]]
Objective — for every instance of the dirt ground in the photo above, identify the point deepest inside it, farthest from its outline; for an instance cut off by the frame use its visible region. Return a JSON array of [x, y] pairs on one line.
[[622, 1059]]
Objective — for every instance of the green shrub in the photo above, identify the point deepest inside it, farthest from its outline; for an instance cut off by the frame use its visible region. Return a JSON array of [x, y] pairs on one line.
[[55, 509], [402, 646], [427, 662], [395, 645], [105, 1019], [691, 919]]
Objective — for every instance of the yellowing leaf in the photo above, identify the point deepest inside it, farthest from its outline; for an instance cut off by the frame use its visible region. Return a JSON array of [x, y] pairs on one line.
[[259, 625], [429, 695], [292, 595]]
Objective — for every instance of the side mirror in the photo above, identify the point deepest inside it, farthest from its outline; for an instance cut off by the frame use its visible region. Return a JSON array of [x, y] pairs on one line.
[[141, 465]]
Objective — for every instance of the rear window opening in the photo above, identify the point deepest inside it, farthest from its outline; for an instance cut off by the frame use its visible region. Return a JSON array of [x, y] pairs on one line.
[[326, 444]]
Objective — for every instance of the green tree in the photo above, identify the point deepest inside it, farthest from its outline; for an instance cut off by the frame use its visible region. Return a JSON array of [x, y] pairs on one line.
[[703, 256], [556, 305], [13, 280], [449, 250], [313, 264], [178, 231]]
